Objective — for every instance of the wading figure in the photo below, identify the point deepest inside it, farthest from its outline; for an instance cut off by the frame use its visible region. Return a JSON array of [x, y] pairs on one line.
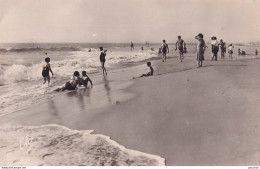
[[103, 59], [165, 49]]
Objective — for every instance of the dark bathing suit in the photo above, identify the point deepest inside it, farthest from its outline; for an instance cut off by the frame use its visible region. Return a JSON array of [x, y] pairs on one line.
[[102, 58], [164, 49], [45, 71]]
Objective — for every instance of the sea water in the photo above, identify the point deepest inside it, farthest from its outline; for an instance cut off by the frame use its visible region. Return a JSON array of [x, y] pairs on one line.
[[21, 85], [55, 145], [21, 81]]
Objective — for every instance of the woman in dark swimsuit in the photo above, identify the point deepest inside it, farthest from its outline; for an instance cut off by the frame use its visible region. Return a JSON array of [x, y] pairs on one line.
[[103, 60], [45, 71]]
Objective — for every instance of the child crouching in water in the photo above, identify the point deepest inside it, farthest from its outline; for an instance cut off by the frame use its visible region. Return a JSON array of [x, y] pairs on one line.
[[149, 73], [85, 79]]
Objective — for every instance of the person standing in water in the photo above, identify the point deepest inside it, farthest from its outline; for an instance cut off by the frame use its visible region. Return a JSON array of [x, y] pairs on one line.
[[200, 49], [164, 50], [180, 44], [256, 52], [132, 46], [103, 59], [214, 48], [46, 69]]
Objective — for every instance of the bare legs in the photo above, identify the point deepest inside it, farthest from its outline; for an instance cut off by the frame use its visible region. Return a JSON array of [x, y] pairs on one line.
[[164, 57], [48, 78]]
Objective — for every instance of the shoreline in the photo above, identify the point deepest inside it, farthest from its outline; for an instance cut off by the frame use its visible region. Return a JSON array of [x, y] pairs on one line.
[[143, 121]]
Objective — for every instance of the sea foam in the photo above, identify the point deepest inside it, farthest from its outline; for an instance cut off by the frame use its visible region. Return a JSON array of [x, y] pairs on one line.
[[77, 60], [56, 145]]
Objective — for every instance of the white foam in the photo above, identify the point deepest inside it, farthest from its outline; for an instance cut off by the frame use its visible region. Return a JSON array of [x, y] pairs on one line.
[[60, 146], [22, 85], [78, 60]]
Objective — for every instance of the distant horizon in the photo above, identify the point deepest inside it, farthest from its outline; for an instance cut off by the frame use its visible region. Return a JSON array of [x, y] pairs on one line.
[[116, 42], [122, 21]]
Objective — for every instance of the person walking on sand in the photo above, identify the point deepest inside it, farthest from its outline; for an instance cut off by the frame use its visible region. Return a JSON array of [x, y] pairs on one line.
[[214, 48], [230, 50], [200, 49], [103, 59], [180, 44], [132, 46], [256, 52], [147, 74], [165, 49], [46, 69], [222, 48]]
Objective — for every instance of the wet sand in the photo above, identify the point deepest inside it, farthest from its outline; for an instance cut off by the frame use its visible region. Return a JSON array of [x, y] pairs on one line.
[[187, 115]]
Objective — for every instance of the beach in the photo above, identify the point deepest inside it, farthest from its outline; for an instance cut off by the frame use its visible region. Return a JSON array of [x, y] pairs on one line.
[[186, 115]]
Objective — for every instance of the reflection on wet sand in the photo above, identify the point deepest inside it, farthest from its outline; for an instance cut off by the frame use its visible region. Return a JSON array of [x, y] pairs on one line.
[[107, 88]]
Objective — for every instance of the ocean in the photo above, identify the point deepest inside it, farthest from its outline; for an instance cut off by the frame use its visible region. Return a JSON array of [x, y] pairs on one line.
[[21, 66]]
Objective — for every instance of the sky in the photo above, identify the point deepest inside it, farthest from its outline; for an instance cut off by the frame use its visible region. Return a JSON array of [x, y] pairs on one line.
[[124, 21]]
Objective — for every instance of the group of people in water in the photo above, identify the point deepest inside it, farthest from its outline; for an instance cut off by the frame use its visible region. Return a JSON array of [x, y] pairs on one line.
[[75, 81]]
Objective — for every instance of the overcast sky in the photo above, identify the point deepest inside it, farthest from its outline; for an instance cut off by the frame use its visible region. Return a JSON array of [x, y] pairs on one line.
[[128, 20]]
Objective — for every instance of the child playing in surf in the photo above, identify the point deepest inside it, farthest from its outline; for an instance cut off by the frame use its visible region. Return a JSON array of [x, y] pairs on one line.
[[149, 73], [103, 59], [72, 84], [45, 71], [85, 79]]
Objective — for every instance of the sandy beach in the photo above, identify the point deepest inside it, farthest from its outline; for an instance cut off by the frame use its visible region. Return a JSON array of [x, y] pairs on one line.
[[187, 115]]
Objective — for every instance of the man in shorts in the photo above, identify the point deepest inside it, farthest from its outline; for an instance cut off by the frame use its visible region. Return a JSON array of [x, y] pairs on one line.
[[180, 44]]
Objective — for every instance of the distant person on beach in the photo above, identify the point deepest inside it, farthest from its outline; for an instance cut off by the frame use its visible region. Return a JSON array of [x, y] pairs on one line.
[[256, 52], [85, 79], [142, 48], [72, 84], [165, 49], [46, 69], [132, 46], [160, 50], [103, 59], [222, 48], [147, 74], [230, 50], [200, 49], [239, 53], [214, 48], [180, 44]]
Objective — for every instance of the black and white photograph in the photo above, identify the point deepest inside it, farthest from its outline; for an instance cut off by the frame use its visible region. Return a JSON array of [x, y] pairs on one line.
[[129, 83]]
